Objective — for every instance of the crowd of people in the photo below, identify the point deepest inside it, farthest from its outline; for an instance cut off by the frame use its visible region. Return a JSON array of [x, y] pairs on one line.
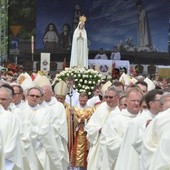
[[49, 126]]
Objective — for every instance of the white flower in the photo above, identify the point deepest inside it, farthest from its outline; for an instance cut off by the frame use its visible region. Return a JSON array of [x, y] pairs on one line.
[[90, 70], [87, 88], [85, 80], [96, 72], [89, 93], [57, 75], [61, 74], [66, 68], [81, 90]]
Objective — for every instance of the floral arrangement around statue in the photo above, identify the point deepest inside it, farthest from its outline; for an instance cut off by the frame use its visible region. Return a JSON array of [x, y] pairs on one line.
[[85, 80]]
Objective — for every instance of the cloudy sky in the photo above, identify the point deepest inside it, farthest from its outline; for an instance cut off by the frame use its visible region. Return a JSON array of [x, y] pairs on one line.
[[109, 22]]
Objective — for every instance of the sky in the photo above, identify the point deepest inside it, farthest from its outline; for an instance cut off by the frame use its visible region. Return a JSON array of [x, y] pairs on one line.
[[109, 22]]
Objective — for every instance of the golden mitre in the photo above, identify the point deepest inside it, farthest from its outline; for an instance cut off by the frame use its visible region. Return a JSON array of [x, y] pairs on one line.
[[82, 19], [61, 88], [105, 87], [41, 80]]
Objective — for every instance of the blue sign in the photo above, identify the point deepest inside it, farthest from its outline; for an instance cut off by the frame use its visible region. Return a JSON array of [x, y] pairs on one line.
[[14, 43]]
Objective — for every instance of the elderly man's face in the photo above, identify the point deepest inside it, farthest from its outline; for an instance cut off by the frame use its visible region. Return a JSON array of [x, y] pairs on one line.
[[111, 98], [5, 98], [33, 97]]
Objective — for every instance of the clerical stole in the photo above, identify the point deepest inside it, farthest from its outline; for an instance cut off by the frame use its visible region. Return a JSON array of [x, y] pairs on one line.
[[80, 148]]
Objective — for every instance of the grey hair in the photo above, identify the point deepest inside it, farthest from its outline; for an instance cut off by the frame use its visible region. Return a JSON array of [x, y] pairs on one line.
[[164, 97], [36, 88], [9, 91], [112, 88]]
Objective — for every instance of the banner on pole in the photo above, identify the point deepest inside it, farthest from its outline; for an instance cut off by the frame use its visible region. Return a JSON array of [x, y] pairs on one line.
[[45, 62]]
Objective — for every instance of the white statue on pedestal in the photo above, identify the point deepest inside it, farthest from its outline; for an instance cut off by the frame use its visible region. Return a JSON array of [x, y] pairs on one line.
[[144, 36], [79, 51]]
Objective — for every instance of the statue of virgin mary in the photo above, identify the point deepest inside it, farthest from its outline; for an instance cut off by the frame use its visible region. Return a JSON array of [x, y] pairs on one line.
[[79, 51]]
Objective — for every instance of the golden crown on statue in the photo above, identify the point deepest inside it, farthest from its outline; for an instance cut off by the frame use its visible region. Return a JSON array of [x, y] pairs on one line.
[[82, 19]]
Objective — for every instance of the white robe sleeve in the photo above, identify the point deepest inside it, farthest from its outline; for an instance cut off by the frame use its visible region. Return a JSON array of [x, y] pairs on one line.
[[149, 145], [12, 143], [59, 125], [161, 158], [2, 156], [113, 140], [45, 143], [92, 128], [137, 143]]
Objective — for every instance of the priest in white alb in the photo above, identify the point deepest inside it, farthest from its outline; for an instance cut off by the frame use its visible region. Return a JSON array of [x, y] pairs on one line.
[[59, 122], [114, 130], [94, 127], [10, 130], [153, 134], [38, 121], [128, 157]]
